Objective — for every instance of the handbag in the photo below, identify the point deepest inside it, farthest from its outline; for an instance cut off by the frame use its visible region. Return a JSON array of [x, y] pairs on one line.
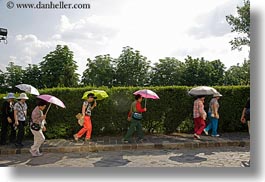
[[137, 116], [9, 120], [35, 126], [80, 119]]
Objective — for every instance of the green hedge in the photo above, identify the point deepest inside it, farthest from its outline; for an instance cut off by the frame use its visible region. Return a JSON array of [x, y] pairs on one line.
[[171, 113]]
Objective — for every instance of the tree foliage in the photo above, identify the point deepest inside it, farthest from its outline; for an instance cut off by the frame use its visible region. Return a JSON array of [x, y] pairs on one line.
[[239, 74], [167, 71], [13, 75], [241, 25], [99, 72], [202, 72], [33, 76], [132, 68], [58, 68]]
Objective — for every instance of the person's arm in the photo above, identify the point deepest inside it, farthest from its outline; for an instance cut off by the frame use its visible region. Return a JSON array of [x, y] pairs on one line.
[[94, 105], [84, 110], [129, 113], [243, 119], [139, 107], [15, 117], [201, 111], [216, 115]]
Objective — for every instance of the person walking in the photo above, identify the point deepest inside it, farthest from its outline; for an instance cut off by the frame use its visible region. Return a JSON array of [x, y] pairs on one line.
[[135, 117], [37, 128], [8, 119], [20, 114], [213, 115], [199, 116], [87, 107], [245, 117]]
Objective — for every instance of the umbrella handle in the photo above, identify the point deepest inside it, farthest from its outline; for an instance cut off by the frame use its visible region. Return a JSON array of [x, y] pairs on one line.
[[145, 102], [48, 109]]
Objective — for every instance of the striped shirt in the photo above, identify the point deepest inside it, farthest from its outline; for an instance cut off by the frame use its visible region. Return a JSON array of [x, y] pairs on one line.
[[198, 109]]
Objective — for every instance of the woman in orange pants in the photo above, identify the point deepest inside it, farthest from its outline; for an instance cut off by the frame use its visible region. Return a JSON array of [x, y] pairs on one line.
[[86, 112]]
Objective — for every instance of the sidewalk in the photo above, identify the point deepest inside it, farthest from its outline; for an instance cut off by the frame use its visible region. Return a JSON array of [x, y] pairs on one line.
[[107, 143]]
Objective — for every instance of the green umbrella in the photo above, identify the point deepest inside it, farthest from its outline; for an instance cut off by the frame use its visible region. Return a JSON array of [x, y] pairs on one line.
[[100, 94]]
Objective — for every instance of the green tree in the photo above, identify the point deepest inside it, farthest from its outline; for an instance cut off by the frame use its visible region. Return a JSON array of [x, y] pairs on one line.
[[202, 72], [167, 72], [241, 25], [217, 72], [99, 72], [238, 75], [132, 69], [59, 68], [32, 75], [2, 82], [13, 75]]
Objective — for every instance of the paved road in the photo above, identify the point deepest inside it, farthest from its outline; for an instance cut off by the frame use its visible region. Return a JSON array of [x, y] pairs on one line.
[[203, 157]]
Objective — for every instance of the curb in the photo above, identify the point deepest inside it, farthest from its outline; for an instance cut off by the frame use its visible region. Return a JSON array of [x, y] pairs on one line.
[[121, 147]]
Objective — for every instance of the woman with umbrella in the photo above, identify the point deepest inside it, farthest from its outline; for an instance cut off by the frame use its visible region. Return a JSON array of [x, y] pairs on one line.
[[213, 115], [135, 116], [199, 116], [37, 127], [87, 107]]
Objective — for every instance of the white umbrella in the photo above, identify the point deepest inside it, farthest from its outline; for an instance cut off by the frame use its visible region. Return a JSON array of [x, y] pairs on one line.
[[28, 89], [202, 90]]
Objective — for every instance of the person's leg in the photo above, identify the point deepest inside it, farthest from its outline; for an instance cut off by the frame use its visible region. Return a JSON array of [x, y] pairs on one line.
[[21, 131], [130, 131], [196, 125], [4, 131], [201, 124], [215, 126], [248, 127], [84, 129], [89, 128], [139, 130], [12, 137], [39, 138], [209, 126]]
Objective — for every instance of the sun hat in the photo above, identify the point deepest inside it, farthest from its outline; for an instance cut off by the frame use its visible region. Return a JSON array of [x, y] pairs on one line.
[[217, 94], [23, 96], [10, 96]]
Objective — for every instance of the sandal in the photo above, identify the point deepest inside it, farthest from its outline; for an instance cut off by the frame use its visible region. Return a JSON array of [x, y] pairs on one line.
[[75, 137]]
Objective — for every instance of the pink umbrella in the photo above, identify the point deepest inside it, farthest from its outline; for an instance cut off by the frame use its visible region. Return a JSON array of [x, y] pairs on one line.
[[148, 94], [52, 100]]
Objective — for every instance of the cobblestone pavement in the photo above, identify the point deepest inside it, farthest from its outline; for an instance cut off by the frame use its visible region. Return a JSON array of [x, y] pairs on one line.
[[107, 143], [200, 157]]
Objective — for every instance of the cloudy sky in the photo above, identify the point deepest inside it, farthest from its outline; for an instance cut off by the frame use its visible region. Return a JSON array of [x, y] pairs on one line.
[[157, 28]]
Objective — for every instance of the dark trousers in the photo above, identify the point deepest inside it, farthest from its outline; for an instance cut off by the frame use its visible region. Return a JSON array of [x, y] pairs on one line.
[[4, 131], [21, 131], [134, 125]]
